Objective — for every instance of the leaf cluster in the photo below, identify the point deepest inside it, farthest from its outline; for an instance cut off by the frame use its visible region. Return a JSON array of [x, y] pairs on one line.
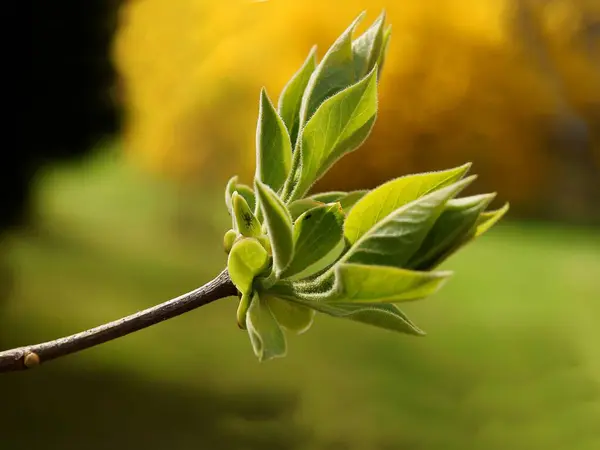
[[353, 255]]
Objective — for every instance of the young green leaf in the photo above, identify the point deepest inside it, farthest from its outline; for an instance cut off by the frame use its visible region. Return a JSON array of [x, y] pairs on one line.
[[299, 207], [485, 221], [346, 199], [248, 194], [488, 219], [319, 289], [273, 146], [334, 73], [328, 197], [292, 316], [315, 294], [396, 238], [247, 259], [229, 190], [316, 233], [453, 225], [357, 283], [247, 224], [229, 239], [322, 264], [242, 309], [388, 197], [368, 46], [387, 34], [279, 226], [242, 189], [386, 316], [291, 96], [340, 125], [266, 336]]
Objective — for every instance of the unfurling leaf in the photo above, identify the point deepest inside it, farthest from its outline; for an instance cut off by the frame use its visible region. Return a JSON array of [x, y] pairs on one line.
[[357, 283], [292, 316], [379, 203], [334, 73], [317, 233], [247, 224], [266, 336], [395, 238], [248, 194], [291, 96], [279, 226], [449, 231], [247, 259], [273, 146], [242, 189], [229, 190], [367, 48], [340, 125]]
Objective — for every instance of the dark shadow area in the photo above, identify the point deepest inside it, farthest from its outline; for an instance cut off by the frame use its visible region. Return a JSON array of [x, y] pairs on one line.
[[54, 408], [61, 102]]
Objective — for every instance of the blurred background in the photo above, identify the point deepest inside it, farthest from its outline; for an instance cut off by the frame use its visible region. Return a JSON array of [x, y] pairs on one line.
[[139, 111]]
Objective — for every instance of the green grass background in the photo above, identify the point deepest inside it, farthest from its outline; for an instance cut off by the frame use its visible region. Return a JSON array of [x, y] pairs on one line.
[[511, 360]]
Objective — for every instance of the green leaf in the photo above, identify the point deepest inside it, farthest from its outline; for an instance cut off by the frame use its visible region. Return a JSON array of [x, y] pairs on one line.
[[229, 239], [334, 73], [328, 197], [388, 197], [229, 190], [386, 316], [242, 189], [273, 146], [324, 263], [247, 224], [368, 46], [291, 96], [313, 290], [299, 207], [340, 125], [279, 226], [248, 194], [346, 199], [315, 293], [488, 219], [453, 225], [242, 309], [266, 336], [292, 316], [357, 283], [387, 34], [396, 238], [316, 233], [247, 259]]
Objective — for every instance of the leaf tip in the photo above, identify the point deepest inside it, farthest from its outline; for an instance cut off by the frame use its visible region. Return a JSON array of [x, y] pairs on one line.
[[466, 167], [468, 180]]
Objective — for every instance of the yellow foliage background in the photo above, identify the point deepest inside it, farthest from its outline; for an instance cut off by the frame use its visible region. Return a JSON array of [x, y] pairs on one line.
[[512, 85]]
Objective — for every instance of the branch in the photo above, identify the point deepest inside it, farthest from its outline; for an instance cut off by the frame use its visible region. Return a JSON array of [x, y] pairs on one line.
[[23, 358]]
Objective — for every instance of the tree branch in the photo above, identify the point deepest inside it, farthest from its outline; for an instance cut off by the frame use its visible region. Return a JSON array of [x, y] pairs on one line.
[[23, 358]]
